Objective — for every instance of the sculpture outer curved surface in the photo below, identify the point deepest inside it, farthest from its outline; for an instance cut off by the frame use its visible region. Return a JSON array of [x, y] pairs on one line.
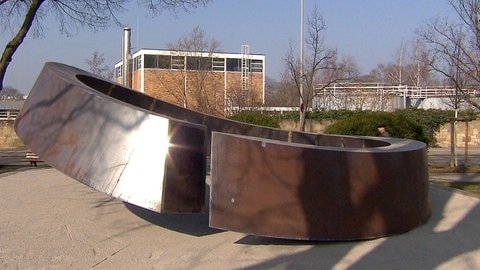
[[264, 181], [302, 191]]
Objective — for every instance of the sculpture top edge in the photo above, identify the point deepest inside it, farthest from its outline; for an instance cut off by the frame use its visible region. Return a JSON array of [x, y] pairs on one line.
[[140, 101], [394, 144]]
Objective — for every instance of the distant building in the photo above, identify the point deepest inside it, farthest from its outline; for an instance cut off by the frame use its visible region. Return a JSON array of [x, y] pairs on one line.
[[10, 107], [215, 83]]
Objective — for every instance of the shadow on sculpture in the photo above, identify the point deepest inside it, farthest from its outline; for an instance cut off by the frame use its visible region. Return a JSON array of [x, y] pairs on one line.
[[264, 181]]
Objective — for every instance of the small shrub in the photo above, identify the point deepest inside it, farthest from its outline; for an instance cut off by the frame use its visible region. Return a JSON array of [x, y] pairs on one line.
[[430, 120]]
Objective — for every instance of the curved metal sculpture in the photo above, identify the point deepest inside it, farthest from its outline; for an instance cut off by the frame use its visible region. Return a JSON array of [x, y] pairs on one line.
[[265, 181]]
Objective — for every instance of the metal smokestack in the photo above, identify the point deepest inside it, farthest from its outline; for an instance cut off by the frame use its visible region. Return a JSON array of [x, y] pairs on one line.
[[127, 72]]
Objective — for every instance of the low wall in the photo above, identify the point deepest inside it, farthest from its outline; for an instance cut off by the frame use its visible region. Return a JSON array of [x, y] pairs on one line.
[[315, 126], [8, 137], [443, 135]]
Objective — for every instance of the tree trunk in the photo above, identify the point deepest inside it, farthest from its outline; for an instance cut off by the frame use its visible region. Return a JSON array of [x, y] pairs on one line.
[[302, 113], [453, 146], [13, 45]]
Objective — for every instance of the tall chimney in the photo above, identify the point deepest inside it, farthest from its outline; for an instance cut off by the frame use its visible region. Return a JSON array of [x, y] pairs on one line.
[[127, 72]]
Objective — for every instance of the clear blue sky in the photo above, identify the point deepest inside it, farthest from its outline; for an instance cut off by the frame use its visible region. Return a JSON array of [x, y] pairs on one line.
[[369, 31]]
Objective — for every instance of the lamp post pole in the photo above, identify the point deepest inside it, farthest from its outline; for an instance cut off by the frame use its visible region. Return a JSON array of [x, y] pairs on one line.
[[302, 105]]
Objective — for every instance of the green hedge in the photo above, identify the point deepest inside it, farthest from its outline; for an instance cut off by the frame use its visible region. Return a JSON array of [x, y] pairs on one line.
[[430, 120], [323, 115], [367, 123], [401, 123], [256, 119]]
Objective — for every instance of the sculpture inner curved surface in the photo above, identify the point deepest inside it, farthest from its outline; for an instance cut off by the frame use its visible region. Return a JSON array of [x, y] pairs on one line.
[[265, 181]]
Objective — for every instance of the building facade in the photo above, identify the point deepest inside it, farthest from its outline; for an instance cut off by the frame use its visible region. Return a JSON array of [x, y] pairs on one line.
[[214, 83]]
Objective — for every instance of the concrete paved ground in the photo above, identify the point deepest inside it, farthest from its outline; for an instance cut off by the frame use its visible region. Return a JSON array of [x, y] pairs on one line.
[[49, 221]]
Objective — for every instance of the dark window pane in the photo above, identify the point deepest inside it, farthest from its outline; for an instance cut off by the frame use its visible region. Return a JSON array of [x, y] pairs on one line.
[[205, 63], [118, 71], [233, 64], [164, 61], [192, 63], [150, 61]]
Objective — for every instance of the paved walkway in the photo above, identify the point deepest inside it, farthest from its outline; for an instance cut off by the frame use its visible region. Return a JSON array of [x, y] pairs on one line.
[[442, 156], [49, 221]]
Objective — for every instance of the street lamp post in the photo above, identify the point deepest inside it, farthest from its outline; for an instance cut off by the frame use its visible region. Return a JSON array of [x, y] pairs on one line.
[[302, 105]]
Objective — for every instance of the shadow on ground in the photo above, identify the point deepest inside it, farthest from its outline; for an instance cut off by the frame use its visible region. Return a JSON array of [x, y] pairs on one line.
[[191, 224], [441, 240]]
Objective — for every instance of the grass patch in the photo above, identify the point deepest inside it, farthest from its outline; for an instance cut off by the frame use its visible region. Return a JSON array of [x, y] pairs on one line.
[[471, 187], [460, 169], [466, 186]]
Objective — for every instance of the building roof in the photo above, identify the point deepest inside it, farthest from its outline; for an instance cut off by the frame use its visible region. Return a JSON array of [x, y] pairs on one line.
[[186, 53], [206, 52]]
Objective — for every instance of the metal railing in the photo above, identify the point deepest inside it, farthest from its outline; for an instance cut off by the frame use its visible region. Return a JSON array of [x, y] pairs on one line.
[[9, 114], [398, 90]]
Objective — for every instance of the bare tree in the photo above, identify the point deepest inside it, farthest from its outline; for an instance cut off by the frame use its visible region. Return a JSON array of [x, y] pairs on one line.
[[97, 66], [417, 69], [282, 93], [455, 46], [240, 100], [410, 66], [10, 92], [272, 90], [395, 70], [70, 15], [196, 88], [320, 69]]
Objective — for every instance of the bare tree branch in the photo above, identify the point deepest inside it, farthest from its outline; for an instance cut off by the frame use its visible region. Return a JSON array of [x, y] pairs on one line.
[[321, 68], [455, 48], [70, 15], [196, 88], [13, 45]]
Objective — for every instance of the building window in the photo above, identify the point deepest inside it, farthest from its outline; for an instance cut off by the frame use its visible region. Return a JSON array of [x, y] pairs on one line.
[[118, 71], [233, 64], [158, 61], [150, 61], [205, 63], [192, 62], [137, 63], [196, 63], [178, 62], [164, 61], [218, 64], [199, 63], [256, 65]]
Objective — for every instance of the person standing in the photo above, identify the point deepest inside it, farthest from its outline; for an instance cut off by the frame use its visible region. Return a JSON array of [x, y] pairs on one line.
[[382, 130]]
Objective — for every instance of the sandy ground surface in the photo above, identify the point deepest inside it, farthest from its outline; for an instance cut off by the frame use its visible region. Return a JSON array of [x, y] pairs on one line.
[[49, 221]]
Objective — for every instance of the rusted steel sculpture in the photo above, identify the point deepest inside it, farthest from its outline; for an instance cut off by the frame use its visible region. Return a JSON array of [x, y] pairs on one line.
[[264, 181]]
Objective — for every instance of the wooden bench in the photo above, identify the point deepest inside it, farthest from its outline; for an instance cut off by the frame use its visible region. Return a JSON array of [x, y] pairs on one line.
[[32, 158]]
